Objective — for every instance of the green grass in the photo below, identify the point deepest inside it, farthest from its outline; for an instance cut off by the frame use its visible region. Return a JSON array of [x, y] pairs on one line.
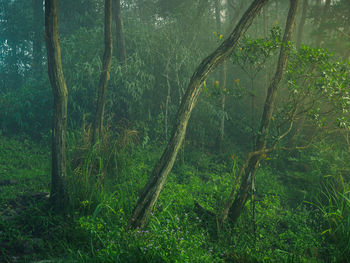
[[25, 163], [94, 230]]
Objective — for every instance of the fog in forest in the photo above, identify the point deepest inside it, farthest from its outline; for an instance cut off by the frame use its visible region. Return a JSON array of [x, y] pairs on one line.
[[174, 131]]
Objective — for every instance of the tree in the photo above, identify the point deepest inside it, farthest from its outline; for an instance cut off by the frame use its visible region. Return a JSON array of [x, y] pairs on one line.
[[155, 184], [323, 17], [302, 24], [121, 51], [60, 94], [97, 126], [38, 34], [222, 73], [233, 207]]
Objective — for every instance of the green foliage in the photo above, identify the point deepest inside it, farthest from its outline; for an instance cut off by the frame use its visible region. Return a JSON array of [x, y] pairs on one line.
[[319, 85], [165, 41], [126, 85], [334, 206], [252, 55], [27, 109], [95, 231]]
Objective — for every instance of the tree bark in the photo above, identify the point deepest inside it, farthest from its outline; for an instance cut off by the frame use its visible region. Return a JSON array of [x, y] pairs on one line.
[[223, 105], [167, 100], [38, 15], [97, 126], [264, 12], [277, 11], [322, 19], [58, 195], [121, 51], [222, 81], [234, 208], [301, 24], [163, 167]]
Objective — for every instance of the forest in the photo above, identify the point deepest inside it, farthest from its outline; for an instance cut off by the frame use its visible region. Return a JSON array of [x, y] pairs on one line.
[[174, 131]]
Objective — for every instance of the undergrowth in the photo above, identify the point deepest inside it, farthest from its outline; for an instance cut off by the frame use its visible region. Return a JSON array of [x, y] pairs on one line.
[[104, 184]]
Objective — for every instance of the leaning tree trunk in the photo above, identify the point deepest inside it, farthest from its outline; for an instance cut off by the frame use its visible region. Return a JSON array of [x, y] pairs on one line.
[[58, 195], [234, 208], [151, 191], [121, 51], [97, 126]]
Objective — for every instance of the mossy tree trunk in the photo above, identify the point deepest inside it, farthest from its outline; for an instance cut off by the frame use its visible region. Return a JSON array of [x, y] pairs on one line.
[[151, 191], [235, 203], [97, 125], [58, 195]]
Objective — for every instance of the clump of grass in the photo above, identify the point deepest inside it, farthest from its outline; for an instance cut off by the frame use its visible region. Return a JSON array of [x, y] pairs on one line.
[[334, 205], [92, 165]]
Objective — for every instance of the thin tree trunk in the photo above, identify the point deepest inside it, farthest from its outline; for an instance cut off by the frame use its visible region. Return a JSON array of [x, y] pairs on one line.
[[301, 24], [222, 74], [97, 126], [322, 19], [163, 167], [277, 10], [292, 141], [121, 51], [38, 16], [265, 10], [223, 104], [167, 100], [234, 208], [218, 16], [252, 110], [58, 195]]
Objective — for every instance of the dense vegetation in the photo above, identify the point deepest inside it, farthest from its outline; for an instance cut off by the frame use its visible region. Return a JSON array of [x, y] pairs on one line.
[[294, 174]]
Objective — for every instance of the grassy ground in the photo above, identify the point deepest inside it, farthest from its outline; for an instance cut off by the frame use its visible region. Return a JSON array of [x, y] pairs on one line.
[[105, 190], [25, 221]]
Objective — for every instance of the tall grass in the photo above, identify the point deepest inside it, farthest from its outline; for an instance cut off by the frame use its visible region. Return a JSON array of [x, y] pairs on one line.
[[334, 204], [91, 166]]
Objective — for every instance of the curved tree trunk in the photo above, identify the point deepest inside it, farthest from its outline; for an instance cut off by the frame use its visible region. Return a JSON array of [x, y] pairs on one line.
[[234, 208], [97, 126], [58, 195], [121, 52], [163, 167]]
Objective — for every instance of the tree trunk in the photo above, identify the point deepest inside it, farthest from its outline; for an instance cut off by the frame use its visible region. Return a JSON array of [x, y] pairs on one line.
[[38, 15], [97, 126], [58, 195], [265, 22], [223, 105], [121, 51], [277, 11], [301, 24], [234, 208], [222, 81], [163, 167], [167, 100], [322, 19]]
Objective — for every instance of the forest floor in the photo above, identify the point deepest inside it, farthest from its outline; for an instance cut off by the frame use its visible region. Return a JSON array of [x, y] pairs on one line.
[[24, 182], [286, 229]]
